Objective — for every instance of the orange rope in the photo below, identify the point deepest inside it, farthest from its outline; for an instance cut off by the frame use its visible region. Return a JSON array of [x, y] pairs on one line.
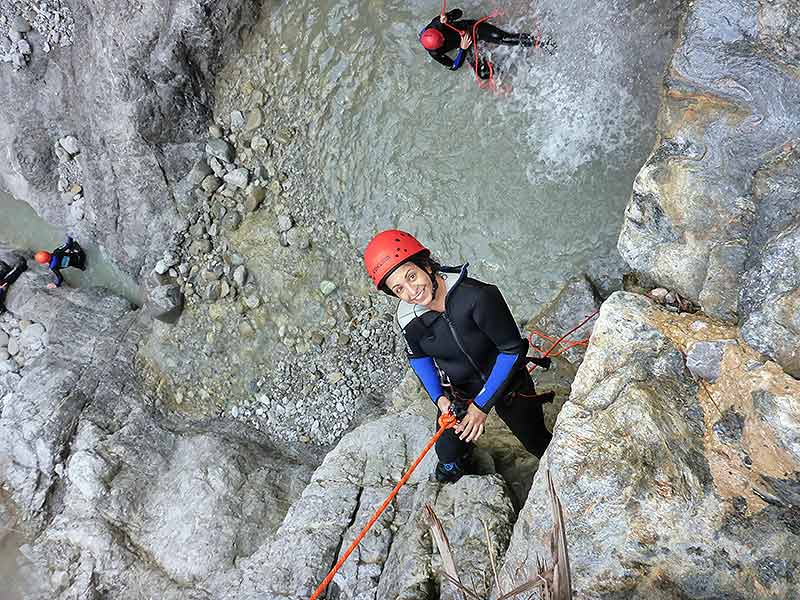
[[556, 342], [446, 421]]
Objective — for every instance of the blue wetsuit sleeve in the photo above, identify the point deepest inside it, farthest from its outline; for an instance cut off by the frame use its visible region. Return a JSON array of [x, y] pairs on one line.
[[504, 366], [59, 279], [425, 369], [493, 317], [459, 59]]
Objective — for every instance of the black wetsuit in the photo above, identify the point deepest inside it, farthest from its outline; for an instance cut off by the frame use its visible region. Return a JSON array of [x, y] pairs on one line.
[[68, 255], [475, 345], [9, 275], [452, 40]]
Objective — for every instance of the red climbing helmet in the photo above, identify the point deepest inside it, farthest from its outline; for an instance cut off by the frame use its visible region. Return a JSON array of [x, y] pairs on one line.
[[42, 257], [432, 39], [387, 251]]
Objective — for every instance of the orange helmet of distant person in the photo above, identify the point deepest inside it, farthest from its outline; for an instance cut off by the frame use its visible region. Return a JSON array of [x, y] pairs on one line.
[[42, 257], [388, 250]]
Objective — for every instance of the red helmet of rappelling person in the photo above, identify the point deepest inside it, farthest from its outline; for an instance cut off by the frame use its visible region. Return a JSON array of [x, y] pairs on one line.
[[388, 250], [432, 39]]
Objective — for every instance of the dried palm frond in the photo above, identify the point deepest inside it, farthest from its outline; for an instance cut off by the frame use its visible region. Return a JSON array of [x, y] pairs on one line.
[[442, 543], [490, 546], [554, 582], [528, 586], [562, 580]]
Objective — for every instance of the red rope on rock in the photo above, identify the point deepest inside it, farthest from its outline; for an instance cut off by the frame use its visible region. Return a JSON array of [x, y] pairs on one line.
[[556, 342]]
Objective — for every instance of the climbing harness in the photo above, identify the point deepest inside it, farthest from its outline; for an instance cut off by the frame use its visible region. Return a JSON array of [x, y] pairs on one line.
[[448, 421]]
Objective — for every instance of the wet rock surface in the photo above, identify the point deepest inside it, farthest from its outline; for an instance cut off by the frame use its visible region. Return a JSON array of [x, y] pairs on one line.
[[714, 210], [675, 489], [108, 112]]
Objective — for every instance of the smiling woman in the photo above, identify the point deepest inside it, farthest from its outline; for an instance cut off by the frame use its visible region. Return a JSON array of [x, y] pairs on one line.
[[464, 346]]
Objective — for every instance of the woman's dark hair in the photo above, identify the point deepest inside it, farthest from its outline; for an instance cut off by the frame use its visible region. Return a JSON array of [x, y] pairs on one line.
[[425, 262]]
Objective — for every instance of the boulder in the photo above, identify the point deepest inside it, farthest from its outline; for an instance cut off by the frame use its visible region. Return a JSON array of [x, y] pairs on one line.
[[670, 488], [164, 303], [98, 479], [701, 210]]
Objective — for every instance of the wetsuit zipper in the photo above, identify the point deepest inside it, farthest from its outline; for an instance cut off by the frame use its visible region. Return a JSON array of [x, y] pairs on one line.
[[461, 346]]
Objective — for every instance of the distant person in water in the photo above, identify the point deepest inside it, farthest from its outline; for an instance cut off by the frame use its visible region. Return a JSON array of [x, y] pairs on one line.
[[9, 275], [439, 38], [68, 255]]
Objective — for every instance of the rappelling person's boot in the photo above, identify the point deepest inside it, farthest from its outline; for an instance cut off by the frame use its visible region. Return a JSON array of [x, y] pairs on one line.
[[449, 472], [484, 69], [527, 40]]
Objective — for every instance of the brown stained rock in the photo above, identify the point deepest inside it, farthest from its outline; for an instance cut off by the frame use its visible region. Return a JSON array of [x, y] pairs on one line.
[[671, 487], [744, 377]]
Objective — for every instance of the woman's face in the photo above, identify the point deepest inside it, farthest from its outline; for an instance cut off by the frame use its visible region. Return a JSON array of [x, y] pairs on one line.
[[412, 284]]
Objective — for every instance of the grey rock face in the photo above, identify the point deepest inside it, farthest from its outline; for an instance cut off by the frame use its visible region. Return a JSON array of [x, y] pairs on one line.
[[704, 358], [238, 178], [770, 295], [220, 149], [395, 560], [698, 219], [662, 480], [101, 478], [143, 116], [165, 303]]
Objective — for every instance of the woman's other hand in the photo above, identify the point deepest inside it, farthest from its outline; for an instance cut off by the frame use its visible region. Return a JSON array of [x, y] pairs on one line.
[[471, 427], [444, 404], [443, 18], [466, 40]]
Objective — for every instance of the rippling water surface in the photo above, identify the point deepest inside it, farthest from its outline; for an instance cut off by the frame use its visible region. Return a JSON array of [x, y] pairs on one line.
[[529, 185]]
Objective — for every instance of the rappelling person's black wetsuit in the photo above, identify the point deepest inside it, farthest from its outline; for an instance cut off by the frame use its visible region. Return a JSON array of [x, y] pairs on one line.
[[476, 345], [452, 40], [8, 275]]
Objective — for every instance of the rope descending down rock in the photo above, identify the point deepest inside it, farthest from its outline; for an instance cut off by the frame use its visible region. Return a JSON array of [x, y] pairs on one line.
[[446, 422]]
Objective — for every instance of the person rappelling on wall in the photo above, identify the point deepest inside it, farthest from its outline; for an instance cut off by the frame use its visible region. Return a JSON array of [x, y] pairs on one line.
[[68, 255], [464, 346], [448, 32]]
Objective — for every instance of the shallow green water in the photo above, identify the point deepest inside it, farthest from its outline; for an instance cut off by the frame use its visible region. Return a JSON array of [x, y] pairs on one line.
[[22, 229]]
